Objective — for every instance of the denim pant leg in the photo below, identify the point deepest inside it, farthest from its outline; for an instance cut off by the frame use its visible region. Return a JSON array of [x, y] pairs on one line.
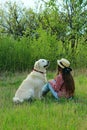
[[45, 88], [52, 91]]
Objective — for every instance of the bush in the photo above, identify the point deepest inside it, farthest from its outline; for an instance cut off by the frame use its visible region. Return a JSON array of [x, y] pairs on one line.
[[14, 55], [20, 55], [48, 47]]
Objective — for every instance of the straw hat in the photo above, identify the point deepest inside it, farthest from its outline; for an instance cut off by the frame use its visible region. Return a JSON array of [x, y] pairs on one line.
[[63, 63]]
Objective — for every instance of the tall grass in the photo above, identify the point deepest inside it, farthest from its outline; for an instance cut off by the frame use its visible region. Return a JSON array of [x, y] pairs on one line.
[[20, 55], [14, 55], [47, 114]]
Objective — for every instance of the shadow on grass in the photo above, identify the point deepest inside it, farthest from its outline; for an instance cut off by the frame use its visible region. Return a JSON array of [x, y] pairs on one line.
[[80, 99], [49, 99], [76, 99]]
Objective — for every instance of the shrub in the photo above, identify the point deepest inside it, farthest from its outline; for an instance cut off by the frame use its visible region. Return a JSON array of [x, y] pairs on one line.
[[14, 55]]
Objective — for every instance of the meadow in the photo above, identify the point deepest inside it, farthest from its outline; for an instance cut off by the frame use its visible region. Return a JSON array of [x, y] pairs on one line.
[[46, 114], [52, 33]]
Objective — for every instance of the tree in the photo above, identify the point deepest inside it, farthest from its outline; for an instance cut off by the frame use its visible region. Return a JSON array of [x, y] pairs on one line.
[[75, 12], [12, 20], [52, 21]]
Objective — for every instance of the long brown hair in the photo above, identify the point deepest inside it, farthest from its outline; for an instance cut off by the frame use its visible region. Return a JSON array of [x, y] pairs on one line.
[[68, 79]]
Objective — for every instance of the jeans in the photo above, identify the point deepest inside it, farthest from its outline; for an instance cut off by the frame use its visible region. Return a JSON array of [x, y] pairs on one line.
[[47, 87]]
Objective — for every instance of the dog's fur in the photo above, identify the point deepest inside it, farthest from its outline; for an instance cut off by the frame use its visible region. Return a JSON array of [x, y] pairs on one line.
[[32, 85]]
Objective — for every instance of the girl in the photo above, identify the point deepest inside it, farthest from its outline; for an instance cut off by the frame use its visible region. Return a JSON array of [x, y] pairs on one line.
[[63, 84]]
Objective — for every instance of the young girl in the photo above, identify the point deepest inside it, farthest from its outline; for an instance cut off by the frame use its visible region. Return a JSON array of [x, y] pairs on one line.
[[63, 84]]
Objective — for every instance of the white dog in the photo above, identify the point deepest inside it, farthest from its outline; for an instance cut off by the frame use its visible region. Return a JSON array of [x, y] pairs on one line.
[[32, 85]]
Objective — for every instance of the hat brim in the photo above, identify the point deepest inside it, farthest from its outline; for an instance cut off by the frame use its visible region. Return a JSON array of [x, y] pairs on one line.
[[58, 62]]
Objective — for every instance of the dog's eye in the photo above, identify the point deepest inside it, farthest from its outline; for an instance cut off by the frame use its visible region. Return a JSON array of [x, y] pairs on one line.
[[42, 60]]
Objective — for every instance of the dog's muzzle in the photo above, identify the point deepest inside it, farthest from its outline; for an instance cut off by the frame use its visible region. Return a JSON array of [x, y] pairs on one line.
[[48, 63]]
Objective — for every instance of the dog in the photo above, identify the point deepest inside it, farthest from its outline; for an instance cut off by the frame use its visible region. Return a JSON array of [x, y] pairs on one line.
[[31, 87]]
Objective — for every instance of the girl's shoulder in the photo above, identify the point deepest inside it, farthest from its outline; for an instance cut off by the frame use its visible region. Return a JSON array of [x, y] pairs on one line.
[[59, 76]]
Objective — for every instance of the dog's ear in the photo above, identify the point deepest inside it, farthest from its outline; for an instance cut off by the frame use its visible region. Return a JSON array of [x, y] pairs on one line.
[[36, 65]]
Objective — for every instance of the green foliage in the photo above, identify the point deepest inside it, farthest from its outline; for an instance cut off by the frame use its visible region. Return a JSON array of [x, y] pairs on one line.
[[51, 33], [81, 56], [46, 46], [14, 55], [21, 55]]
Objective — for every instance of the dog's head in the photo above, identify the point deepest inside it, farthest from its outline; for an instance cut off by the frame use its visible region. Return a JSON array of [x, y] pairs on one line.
[[41, 65]]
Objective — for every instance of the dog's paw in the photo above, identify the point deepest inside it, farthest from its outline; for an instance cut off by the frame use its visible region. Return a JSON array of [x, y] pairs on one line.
[[17, 100]]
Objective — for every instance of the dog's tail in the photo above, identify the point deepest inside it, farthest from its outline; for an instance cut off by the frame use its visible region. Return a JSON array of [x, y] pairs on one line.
[[17, 100]]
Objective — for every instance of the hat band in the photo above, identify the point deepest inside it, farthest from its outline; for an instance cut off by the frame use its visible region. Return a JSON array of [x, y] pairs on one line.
[[62, 64]]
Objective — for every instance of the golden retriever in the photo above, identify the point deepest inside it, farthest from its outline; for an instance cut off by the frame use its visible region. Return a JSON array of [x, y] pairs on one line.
[[32, 85]]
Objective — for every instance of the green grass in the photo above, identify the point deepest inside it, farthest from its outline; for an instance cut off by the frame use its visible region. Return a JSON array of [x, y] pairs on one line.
[[47, 114]]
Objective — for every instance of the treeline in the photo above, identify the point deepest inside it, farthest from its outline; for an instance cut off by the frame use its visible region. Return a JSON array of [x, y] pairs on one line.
[[52, 33]]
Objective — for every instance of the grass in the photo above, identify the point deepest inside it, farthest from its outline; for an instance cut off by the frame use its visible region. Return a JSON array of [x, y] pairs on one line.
[[47, 114]]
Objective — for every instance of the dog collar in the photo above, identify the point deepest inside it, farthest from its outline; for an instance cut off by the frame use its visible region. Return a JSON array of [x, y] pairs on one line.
[[38, 71]]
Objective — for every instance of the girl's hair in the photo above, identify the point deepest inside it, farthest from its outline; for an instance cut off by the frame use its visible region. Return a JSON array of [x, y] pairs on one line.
[[68, 79]]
